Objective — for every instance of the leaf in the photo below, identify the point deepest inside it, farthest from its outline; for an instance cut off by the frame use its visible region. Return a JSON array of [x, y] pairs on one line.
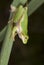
[[23, 1], [34, 5], [2, 33], [17, 2], [7, 46]]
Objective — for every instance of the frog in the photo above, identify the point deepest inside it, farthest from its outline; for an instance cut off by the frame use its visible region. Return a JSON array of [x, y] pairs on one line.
[[20, 19]]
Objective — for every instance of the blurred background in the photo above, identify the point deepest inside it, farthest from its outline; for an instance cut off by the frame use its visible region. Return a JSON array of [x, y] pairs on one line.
[[33, 52]]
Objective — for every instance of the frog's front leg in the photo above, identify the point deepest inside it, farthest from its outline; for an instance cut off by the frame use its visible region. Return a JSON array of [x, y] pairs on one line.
[[14, 32]]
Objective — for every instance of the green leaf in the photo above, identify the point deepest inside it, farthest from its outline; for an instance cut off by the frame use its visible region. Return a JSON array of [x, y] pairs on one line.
[[34, 5], [23, 1], [17, 2], [7, 46], [2, 33]]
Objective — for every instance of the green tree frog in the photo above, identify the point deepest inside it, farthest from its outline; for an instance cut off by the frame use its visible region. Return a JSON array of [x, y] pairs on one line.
[[20, 20]]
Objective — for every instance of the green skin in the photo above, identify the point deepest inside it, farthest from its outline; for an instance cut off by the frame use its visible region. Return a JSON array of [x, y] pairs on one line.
[[21, 20]]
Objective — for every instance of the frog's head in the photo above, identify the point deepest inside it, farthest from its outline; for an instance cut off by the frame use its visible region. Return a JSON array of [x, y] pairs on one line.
[[24, 38]]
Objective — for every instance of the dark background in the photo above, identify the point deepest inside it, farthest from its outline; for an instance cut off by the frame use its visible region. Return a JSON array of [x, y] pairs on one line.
[[33, 52]]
